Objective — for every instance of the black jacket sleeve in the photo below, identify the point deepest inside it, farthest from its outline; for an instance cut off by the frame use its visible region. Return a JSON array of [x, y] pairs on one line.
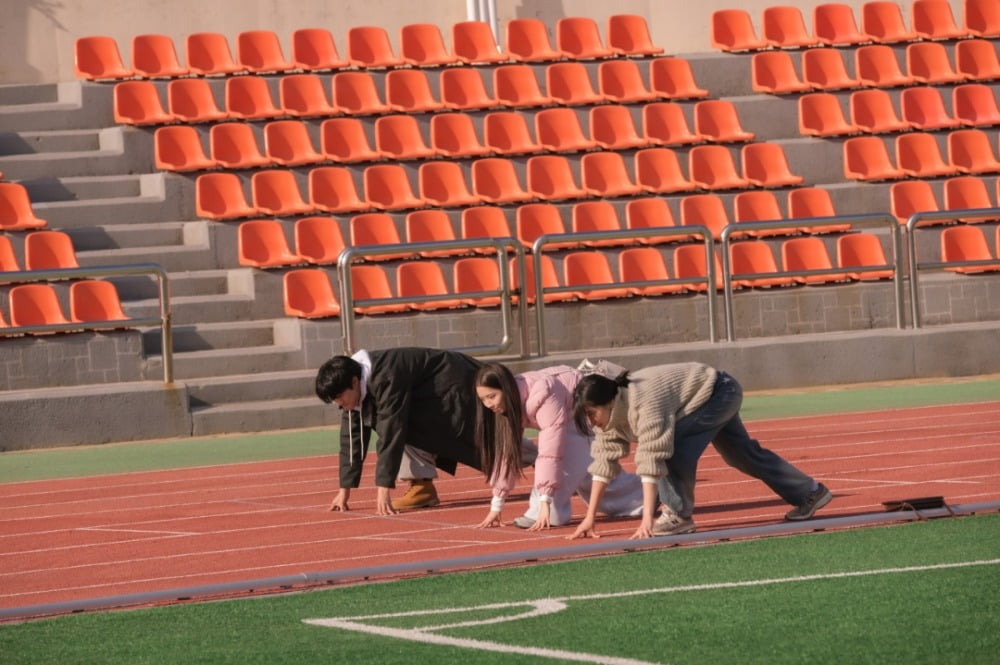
[[354, 438]]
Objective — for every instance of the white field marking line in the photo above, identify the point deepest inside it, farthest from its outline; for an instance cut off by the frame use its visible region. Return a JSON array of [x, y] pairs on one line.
[[158, 533], [778, 443], [842, 438], [892, 414], [544, 606]]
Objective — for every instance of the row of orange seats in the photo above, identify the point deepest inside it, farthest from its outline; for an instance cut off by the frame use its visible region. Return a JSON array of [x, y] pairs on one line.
[[586, 275], [918, 155], [834, 24], [494, 181], [314, 49], [960, 193], [90, 301], [16, 213], [873, 111], [452, 135], [43, 250], [875, 66], [320, 240], [406, 91]]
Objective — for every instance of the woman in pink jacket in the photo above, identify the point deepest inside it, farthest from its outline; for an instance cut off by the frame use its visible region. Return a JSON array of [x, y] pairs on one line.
[[541, 400]]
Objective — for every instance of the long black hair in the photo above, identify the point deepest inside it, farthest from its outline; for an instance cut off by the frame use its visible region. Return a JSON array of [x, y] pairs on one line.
[[594, 390], [499, 435]]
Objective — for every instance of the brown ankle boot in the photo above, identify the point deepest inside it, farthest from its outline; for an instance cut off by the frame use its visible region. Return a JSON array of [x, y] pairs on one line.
[[420, 495]]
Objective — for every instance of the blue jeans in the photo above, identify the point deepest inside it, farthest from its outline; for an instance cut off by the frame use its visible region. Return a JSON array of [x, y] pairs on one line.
[[717, 421]]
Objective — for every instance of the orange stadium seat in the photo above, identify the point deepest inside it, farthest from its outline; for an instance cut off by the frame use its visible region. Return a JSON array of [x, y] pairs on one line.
[[877, 66], [982, 18], [527, 40], [933, 19], [314, 50], [665, 123], [387, 187], [49, 250], [579, 38], [507, 133], [370, 282], [971, 151], [259, 51], [178, 148], [755, 257], [369, 47], [928, 63], [92, 300], [308, 294], [208, 54], [704, 210], [537, 219], [517, 86], [35, 305], [16, 213], [221, 196], [473, 43], [400, 137], [192, 100], [261, 243], [549, 277], [477, 274], [821, 114], [355, 93], [551, 178], [658, 171], [758, 206], [249, 98], [629, 33], [774, 73], [596, 216], [690, 262], [8, 260], [409, 91], [885, 23], [907, 198], [785, 27], [97, 57], [712, 167], [604, 174], [559, 130], [154, 56], [485, 222], [443, 184], [234, 146], [568, 83], [495, 180], [454, 135], [977, 60], [867, 158], [809, 254], [591, 272], [345, 140], [672, 78], [651, 214], [431, 226], [717, 120], [621, 81], [288, 143], [958, 243], [377, 228], [464, 90], [813, 202], [834, 25], [418, 279], [304, 96], [919, 156], [966, 193], [873, 112], [422, 45], [277, 193], [863, 252], [923, 107], [645, 264], [138, 103], [318, 240], [612, 128], [825, 69], [732, 30]]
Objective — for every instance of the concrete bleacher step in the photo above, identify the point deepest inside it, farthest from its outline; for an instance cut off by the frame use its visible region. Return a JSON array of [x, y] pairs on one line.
[[241, 388], [97, 152], [224, 362], [194, 283], [209, 336], [67, 105], [155, 199], [264, 416], [201, 308]]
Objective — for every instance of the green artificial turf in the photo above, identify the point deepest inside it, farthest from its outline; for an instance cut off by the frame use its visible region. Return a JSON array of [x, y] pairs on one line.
[[936, 616]]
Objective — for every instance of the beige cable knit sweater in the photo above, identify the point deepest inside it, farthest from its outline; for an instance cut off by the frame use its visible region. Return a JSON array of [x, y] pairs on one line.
[[646, 412]]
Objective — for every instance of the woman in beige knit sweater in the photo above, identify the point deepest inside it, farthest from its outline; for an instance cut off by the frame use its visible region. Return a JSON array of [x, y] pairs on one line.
[[672, 413]]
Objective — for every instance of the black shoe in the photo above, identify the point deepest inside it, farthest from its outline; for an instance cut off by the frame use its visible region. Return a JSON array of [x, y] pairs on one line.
[[818, 498]]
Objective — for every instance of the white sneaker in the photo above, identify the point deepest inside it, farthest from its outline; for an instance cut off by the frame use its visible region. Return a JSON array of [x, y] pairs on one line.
[[670, 523]]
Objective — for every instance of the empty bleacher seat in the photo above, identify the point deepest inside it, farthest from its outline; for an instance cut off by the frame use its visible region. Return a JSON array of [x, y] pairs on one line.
[[234, 146], [527, 40], [49, 250], [732, 30], [35, 305], [345, 140], [355, 93], [964, 243], [864, 254], [179, 148], [154, 56], [672, 78], [784, 27], [369, 46], [646, 264], [249, 98], [308, 294], [579, 38], [304, 96], [208, 54], [442, 183], [97, 57], [259, 51], [314, 50], [834, 24], [409, 91], [318, 240], [221, 196], [422, 45], [288, 143], [92, 300], [884, 21], [261, 243], [810, 253], [775, 73], [276, 192], [138, 103], [387, 187], [463, 89], [16, 213], [590, 271], [629, 33], [418, 279], [192, 100]]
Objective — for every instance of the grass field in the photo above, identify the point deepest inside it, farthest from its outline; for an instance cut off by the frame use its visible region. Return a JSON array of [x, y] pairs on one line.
[[917, 593]]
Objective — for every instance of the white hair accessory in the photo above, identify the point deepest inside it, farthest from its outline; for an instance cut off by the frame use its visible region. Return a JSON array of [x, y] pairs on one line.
[[604, 368]]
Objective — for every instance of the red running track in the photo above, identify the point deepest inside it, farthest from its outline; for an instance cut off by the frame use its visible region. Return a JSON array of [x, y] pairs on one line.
[[82, 538]]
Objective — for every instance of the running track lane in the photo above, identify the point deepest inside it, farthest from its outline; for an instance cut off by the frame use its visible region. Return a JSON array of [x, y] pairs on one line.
[[82, 538]]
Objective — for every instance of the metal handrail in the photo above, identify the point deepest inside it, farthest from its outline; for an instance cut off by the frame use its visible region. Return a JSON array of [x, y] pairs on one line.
[[163, 321], [915, 267], [708, 280], [500, 247], [873, 220]]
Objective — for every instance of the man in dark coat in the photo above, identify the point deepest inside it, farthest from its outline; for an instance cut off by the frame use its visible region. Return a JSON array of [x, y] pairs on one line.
[[421, 404]]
